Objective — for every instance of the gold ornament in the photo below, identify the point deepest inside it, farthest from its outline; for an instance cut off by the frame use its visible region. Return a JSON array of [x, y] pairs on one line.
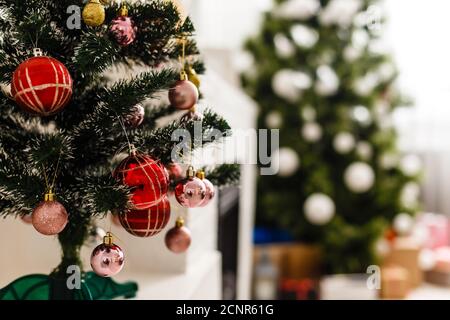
[[94, 13], [193, 76]]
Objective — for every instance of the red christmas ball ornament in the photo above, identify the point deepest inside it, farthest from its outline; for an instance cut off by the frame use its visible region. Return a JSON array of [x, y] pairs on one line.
[[146, 177], [41, 85], [190, 192], [149, 222], [210, 190], [136, 116], [107, 259], [178, 239], [183, 95], [123, 28], [49, 217]]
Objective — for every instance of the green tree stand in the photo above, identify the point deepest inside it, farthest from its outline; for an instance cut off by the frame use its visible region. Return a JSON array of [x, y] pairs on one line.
[[43, 287]]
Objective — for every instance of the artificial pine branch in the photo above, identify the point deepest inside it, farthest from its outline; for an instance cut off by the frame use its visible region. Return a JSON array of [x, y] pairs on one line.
[[224, 175], [160, 144]]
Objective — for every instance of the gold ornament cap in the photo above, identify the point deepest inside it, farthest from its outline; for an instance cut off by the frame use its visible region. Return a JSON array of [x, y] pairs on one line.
[[49, 196], [200, 174], [108, 240], [180, 222], [123, 11], [183, 76], [133, 150], [190, 173]]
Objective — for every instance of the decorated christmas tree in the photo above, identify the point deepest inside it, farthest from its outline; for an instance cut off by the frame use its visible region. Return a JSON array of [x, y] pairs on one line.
[[322, 76], [84, 89]]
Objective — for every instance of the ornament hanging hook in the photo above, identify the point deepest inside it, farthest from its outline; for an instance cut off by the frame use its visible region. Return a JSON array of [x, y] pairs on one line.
[[131, 147], [183, 74], [50, 195]]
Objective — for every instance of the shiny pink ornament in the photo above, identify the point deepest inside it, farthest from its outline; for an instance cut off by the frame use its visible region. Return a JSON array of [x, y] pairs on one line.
[[123, 30], [183, 95], [210, 192], [190, 192], [107, 259], [175, 171], [49, 218], [178, 239], [136, 116]]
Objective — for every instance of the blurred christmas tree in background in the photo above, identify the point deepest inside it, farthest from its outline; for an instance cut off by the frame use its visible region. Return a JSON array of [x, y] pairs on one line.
[[322, 75]]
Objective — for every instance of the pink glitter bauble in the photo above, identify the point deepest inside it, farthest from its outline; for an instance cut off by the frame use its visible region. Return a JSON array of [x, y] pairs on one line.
[[49, 218], [107, 260], [178, 239], [123, 30], [183, 95]]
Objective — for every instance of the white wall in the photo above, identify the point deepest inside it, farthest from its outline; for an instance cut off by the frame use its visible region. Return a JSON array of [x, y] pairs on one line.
[[418, 35]]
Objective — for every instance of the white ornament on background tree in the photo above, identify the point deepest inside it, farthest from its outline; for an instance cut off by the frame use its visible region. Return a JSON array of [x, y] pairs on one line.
[[386, 71], [359, 177], [319, 209], [389, 160], [364, 150], [360, 39], [308, 113], [286, 160], [352, 53], [366, 84], [283, 46], [362, 115], [327, 82], [298, 9], [411, 165], [289, 84], [311, 132], [344, 142], [274, 120], [304, 36], [403, 224], [409, 196], [340, 12]]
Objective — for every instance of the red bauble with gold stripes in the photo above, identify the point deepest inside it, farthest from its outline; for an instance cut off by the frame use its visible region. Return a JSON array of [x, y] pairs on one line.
[[149, 222], [147, 178], [41, 85]]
